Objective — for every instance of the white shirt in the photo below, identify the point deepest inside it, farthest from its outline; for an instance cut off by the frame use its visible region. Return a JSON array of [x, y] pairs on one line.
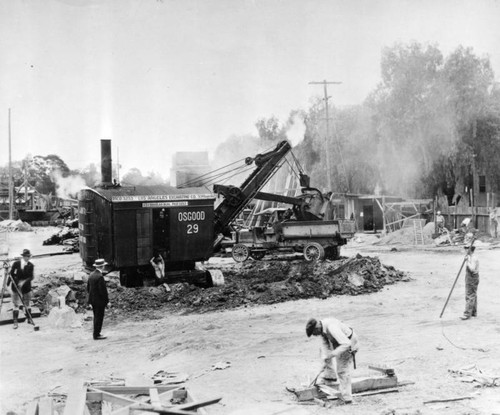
[[473, 263], [340, 332]]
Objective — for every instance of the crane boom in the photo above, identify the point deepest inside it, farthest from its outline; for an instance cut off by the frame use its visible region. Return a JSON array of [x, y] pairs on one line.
[[236, 198]]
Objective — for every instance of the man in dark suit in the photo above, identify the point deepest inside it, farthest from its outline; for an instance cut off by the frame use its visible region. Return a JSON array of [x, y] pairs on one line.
[[98, 296], [22, 273]]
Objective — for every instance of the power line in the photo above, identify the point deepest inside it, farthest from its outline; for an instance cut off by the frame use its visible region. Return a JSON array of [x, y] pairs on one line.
[[327, 147]]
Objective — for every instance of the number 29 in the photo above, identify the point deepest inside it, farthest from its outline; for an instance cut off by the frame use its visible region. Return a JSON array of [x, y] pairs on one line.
[[192, 229]]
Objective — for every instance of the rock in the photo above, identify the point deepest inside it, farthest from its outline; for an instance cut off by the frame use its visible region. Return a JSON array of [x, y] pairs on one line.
[[356, 280], [64, 317]]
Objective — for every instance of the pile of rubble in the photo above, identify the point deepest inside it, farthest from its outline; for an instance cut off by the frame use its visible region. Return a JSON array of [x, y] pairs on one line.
[[67, 236], [15, 225], [267, 282], [252, 282], [406, 236]]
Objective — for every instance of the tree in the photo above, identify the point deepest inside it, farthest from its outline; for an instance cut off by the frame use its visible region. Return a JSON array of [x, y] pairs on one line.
[[269, 129], [133, 177]]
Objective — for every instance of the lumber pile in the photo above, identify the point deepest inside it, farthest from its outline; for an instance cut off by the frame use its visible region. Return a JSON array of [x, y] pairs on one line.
[[99, 398], [385, 381]]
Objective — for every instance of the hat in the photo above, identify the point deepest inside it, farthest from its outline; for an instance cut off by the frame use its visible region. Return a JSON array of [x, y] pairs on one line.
[[100, 263], [310, 326], [26, 252]]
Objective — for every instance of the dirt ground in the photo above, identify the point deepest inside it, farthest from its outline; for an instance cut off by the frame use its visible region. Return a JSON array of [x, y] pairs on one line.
[[266, 345]]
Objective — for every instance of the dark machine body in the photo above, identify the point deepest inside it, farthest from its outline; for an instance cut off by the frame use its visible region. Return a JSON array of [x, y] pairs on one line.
[[126, 226]]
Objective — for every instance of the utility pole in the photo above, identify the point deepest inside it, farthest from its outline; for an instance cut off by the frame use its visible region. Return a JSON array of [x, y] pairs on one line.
[[11, 183], [327, 147]]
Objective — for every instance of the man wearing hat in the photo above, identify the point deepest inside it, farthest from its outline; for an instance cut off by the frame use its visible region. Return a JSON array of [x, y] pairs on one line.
[[339, 341], [471, 283], [98, 296], [22, 273]]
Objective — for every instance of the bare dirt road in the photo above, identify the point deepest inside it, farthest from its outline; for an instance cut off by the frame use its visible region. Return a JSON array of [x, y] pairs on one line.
[[268, 350]]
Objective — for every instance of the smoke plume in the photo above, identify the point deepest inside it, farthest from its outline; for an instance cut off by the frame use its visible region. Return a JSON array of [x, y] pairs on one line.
[[296, 130], [67, 187]]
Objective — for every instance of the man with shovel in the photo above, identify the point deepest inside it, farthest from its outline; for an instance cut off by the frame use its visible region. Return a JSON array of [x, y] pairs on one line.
[[22, 273], [339, 341]]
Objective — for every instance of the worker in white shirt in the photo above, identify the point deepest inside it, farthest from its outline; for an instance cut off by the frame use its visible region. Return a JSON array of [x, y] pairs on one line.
[[339, 342], [471, 283]]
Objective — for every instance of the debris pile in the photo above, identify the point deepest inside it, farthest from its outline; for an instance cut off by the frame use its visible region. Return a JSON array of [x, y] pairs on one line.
[[268, 282], [15, 225], [476, 376], [252, 282], [67, 236], [406, 236]]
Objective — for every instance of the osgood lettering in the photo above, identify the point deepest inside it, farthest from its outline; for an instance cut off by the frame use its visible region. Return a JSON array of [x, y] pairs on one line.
[[191, 216]]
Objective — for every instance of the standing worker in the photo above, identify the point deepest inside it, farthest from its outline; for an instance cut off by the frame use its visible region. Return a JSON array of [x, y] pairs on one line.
[[22, 273], [339, 341], [471, 283], [98, 296]]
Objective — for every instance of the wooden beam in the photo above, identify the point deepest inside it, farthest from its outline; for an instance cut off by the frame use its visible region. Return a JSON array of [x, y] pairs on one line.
[[159, 409], [45, 406], [373, 383], [75, 403], [134, 390], [460, 398], [199, 404], [307, 394], [382, 368], [32, 408], [154, 397]]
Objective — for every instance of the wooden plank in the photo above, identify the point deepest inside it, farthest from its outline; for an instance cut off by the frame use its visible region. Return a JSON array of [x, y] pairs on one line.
[[45, 406], [199, 404], [460, 398], [368, 393], [373, 383], [307, 394], [154, 397], [383, 369], [75, 403], [159, 409], [135, 390], [164, 397], [32, 408], [361, 394], [370, 383]]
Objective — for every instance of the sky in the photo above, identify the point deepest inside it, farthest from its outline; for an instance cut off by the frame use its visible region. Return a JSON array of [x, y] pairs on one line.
[[160, 76]]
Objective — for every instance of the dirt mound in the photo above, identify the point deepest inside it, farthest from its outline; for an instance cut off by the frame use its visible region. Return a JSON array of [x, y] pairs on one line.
[[406, 236], [252, 282], [268, 282]]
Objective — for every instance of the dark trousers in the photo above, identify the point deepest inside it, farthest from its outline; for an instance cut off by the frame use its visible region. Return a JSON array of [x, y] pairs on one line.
[[471, 283], [98, 318]]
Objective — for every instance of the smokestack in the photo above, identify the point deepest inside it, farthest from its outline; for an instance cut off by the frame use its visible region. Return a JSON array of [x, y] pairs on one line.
[[106, 163]]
